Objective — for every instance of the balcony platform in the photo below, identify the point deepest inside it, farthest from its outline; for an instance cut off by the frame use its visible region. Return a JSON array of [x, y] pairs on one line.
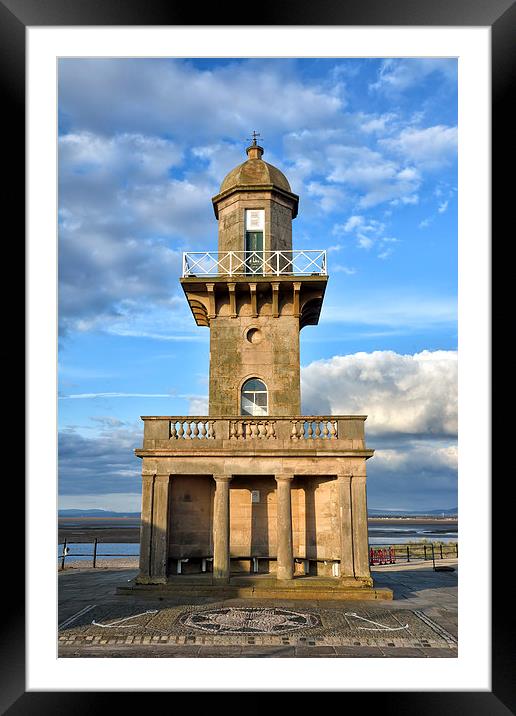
[[303, 445], [296, 434], [255, 263]]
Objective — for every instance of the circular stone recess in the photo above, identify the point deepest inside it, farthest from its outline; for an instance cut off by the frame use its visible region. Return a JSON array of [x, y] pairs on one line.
[[249, 620], [254, 335]]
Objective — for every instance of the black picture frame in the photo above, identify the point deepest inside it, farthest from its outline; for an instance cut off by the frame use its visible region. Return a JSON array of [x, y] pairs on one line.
[[500, 16]]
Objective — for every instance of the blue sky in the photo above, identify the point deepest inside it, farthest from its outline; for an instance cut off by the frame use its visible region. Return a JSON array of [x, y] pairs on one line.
[[370, 146]]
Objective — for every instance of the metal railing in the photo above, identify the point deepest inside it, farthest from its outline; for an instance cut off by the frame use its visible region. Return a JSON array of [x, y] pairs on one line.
[[378, 554], [255, 263], [426, 551], [66, 554]]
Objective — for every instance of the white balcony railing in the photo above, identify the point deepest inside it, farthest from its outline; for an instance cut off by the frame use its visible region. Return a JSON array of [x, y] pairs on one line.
[[255, 263]]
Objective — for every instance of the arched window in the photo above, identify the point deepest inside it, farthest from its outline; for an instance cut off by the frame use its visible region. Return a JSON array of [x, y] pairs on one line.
[[254, 400]]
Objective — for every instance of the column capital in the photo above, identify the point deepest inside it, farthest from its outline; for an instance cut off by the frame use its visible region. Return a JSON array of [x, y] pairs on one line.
[[162, 477], [283, 477], [222, 478], [359, 479], [345, 476]]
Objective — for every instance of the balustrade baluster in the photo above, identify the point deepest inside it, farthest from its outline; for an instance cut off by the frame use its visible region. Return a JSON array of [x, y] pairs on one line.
[[333, 429], [188, 431], [310, 431], [196, 429], [180, 432], [240, 430], [325, 429], [294, 435], [211, 433], [202, 429], [261, 430], [173, 431], [232, 430], [317, 428]]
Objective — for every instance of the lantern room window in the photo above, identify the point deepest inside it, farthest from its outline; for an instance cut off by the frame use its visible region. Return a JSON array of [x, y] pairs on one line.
[[254, 398], [254, 227]]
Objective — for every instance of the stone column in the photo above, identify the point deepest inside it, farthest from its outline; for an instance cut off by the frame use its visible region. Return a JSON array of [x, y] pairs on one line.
[[159, 548], [285, 569], [347, 568], [146, 526], [360, 527], [221, 528]]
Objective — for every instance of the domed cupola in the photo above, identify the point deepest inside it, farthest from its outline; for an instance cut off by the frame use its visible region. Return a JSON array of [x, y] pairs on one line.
[[255, 191], [254, 172]]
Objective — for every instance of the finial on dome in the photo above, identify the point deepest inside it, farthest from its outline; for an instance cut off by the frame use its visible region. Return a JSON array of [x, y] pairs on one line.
[[255, 151]]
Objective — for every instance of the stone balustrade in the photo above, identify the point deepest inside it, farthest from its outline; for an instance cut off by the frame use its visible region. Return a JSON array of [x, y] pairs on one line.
[[312, 428], [249, 429], [305, 431], [191, 428]]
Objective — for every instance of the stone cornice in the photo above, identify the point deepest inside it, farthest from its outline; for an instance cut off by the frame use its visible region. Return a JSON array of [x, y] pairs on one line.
[[281, 452]]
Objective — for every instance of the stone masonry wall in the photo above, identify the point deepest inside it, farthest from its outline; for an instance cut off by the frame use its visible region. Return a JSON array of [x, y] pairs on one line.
[[270, 353]]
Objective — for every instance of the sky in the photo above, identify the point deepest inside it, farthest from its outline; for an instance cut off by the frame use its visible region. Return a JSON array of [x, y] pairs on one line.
[[370, 147]]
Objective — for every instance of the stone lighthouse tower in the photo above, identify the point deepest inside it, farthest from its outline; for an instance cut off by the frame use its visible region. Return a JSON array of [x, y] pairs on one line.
[[261, 295], [255, 498]]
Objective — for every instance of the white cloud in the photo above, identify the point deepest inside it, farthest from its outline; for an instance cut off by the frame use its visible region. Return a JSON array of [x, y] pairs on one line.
[[377, 177], [338, 268], [142, 155], [397, 75], [120, 214], [385, 254], [367, 232], [375, 123], [415, 394], [429, 148], [419, 456], [175, 97], [198, 405], [135, 191], [328, 197], [412, 473]]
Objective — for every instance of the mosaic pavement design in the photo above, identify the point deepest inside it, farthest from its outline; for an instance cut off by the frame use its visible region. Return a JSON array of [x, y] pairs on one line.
[[248, 620], [226, 626]]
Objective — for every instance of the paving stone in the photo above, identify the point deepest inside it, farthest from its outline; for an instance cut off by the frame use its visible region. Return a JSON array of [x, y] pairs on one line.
[[339, 629], [315, 651]]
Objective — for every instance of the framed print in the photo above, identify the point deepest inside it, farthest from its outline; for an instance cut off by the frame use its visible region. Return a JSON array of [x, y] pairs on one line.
[[143, 111]]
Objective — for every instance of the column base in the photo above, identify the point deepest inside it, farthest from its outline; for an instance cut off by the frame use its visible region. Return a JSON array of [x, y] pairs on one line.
[[347, 581], [220, 580]]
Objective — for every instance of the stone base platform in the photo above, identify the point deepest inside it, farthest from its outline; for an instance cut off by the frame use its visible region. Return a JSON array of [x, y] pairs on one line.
[[260, 587]]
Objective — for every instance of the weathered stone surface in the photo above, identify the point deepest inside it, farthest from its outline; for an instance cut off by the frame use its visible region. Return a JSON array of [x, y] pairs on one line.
[[279, 494]]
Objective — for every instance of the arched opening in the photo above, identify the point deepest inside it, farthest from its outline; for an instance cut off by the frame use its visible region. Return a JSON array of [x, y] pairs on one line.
[[254, 398]]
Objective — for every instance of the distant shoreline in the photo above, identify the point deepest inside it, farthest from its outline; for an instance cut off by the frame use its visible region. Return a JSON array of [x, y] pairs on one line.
[[405, 520], [414, 520], [127, 529]]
